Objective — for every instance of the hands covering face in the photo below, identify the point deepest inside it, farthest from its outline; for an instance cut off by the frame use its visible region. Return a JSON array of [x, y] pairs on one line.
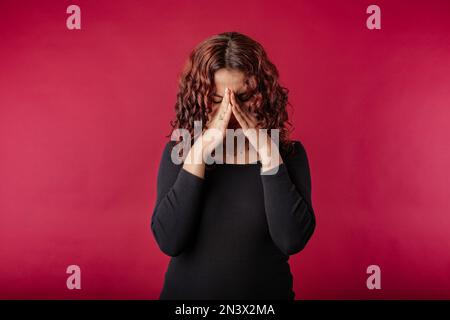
[[248, 122], [218, 123], [222, 116], [221, 119], [266, 149]]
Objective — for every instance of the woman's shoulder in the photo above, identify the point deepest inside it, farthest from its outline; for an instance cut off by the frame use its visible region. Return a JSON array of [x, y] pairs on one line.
[[170, 154], [169, 145], [293, 149]]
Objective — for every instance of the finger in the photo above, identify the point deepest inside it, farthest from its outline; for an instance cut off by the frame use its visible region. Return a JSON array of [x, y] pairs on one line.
[[243, 114], [221, 113], [239, 118], [225, 115], [226, 96], [228, 112], [226, 118], [237, 112], [240, 115], [248, 117], [251, 118], [225, 100], [233, 98]]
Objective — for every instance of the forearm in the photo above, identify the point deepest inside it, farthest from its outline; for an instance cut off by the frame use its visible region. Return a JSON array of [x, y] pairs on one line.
[[177, 210], [194, 162], [291, 221], [269, 156]]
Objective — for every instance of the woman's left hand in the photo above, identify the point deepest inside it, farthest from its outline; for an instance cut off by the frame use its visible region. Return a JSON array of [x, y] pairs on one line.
[[268, 151]]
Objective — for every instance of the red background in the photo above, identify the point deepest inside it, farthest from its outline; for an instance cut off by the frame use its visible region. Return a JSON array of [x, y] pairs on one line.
[[84, 114]]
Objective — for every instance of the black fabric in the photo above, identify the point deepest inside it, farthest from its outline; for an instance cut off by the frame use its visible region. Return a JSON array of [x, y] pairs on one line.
[[230, 234]]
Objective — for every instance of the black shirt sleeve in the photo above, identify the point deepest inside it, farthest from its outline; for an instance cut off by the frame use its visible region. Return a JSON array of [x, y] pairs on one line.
[[287, 200], [177, 205]]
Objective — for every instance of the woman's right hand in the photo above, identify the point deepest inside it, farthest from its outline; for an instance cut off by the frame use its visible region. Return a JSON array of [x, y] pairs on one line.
[[212, 136], [215, 130]]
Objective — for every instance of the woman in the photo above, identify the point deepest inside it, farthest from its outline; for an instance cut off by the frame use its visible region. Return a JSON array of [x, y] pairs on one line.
[[230, 227]]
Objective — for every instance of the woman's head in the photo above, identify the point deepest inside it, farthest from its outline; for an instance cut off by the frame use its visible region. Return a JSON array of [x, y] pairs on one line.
[[240, 63]]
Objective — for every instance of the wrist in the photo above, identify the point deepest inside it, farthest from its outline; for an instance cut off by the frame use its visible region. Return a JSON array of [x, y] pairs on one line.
[[268, 164], [195, 154], [269, 155]]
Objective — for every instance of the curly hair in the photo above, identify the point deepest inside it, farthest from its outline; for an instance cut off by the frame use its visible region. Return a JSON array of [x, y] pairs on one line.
[[232, 50]]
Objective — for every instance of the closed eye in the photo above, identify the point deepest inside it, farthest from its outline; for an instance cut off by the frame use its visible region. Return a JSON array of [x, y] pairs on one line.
[[243, 97], [217, 98]]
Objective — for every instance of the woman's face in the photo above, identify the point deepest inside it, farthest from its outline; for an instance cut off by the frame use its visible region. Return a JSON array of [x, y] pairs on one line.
[[235, 81]]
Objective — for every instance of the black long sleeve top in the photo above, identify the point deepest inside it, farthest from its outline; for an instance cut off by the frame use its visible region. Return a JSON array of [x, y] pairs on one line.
[[230, 234]]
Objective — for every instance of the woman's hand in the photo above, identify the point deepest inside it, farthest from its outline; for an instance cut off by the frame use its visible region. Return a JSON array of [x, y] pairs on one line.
[[217, 125], [211, 137], [268, 152]]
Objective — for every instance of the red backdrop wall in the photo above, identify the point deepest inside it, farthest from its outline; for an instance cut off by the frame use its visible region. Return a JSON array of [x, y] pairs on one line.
[[84, 114]]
